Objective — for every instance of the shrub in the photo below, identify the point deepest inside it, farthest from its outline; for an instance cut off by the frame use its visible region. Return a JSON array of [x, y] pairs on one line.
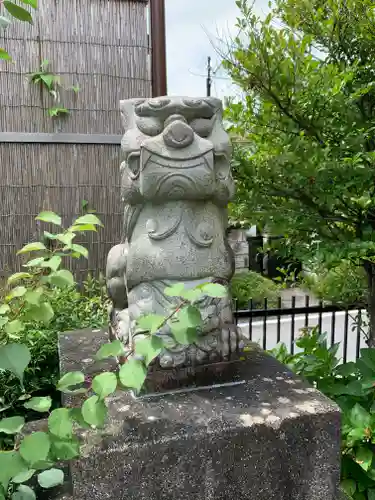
[[352, 387], [73, 310], [251, 285], [344, 284]]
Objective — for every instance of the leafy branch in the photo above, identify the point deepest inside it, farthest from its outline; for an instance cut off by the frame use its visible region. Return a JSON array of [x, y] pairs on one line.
[[52, 83]]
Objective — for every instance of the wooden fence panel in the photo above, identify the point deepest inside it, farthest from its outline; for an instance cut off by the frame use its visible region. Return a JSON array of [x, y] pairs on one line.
[[42, 179], [101, 46]]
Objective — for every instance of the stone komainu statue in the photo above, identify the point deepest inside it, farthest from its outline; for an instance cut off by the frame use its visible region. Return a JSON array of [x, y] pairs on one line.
[[176, 184]]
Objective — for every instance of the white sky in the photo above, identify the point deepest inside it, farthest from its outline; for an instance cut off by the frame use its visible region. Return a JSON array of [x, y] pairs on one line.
[[193, 26]]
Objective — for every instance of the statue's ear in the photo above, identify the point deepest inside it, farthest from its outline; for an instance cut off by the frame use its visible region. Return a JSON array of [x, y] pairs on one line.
[[214, 103], [127, 109], [219, 137]]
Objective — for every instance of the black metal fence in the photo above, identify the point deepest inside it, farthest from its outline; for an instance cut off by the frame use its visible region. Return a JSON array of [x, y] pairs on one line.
[[270, 325]]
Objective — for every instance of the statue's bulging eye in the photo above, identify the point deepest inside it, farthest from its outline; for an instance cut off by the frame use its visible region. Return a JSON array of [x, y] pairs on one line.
[[193, 103], [201, 126], [158, 103], [150, 126]]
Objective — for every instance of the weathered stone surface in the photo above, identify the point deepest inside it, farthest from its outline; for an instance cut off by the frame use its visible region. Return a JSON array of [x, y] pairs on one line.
[[272, 437], [78, 349], [176, 183]]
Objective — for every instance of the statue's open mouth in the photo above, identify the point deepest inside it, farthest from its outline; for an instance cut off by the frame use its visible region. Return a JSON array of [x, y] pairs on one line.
[[148, 157]]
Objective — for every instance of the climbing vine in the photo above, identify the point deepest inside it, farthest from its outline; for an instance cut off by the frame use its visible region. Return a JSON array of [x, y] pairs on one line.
[[43, 76], [52, 83]]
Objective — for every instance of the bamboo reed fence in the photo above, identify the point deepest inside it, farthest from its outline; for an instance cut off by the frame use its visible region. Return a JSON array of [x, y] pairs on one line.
[[101, 46]]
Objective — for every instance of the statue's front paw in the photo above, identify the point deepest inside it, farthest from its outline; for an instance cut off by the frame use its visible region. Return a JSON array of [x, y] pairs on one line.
[[120, 325]]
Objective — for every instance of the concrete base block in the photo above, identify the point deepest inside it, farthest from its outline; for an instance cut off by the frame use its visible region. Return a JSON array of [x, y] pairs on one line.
[[270, 437]]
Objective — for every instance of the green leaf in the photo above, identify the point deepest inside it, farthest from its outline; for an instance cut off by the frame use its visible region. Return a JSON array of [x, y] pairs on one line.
[[110, 350], [40, 404], [359, 417], [11, 464], [149, 348], [32, 247], [183, 335], [23, 477], [4, 309], [94, 411], [32, 3], [53, 263], [176, 290], [62, 278], [349, 486], [80, 250], [60, 423], [43, 464], [24, 492], [42, 313], [57, 111], [4, 55], [346, 369], [104, 384], [33, 297], [82, 228], [12, 425], [65, 449], [14, 327], [133, 374], [356, 434], [364, 370], [76, 415], [363, 457], [193, 294], [151, 322], [189, 317], [65, 238], [354, 388], [18, 276], [49, 80], [368, 357], [35, 447], [49, 217], [50, 236], [70, 379], [88, 219], [34, 262], [214, 290], [51, 478], [367, 385], [24, 397], [179, 290], [18, 12], [18, 291], [15, 358], [371, 494]]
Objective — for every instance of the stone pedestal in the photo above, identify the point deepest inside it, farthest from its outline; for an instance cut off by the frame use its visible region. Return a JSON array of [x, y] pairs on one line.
[[270, 437]]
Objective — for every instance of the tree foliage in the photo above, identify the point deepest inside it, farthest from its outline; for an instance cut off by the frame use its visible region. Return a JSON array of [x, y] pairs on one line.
[[305, 156]]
